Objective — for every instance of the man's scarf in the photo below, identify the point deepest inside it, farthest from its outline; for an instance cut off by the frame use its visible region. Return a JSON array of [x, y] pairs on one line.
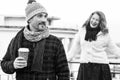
[[35, 36]]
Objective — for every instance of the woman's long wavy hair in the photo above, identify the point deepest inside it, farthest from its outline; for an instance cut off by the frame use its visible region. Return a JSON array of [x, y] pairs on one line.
[[102, 23]]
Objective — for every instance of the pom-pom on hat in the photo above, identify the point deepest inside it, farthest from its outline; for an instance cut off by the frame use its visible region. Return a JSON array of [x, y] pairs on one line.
[[32, 9]]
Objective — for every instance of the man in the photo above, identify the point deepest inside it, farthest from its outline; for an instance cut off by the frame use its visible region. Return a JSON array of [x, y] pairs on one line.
[[46, 59]]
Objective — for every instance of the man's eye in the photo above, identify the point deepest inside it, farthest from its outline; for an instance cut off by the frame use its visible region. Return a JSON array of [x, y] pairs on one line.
[[45, 15], [40, 15]]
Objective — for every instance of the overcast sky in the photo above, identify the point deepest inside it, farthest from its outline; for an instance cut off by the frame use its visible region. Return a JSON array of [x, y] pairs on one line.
[[71, 11]]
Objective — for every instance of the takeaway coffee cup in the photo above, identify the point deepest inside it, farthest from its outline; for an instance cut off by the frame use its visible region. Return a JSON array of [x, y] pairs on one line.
[[23, 52]]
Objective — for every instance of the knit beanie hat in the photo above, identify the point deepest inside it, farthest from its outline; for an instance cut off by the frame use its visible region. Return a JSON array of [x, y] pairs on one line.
[[32, 9]]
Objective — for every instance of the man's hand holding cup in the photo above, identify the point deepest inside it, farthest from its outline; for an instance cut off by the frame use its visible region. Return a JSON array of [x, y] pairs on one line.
[[21, 60]]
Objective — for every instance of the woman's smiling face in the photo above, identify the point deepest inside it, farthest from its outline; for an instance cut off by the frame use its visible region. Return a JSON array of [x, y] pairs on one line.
[[94, 21]]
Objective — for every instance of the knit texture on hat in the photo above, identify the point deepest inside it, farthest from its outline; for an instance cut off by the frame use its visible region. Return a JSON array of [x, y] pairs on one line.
[[34, 8]]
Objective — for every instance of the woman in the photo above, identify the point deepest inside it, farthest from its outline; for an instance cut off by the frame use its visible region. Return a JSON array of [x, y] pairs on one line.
[[92, 41]]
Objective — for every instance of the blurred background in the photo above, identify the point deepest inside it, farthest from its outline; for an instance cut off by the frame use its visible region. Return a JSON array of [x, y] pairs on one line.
[[66, 17]]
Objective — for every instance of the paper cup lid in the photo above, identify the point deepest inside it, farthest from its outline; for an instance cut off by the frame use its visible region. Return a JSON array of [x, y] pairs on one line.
[[23, 49]]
